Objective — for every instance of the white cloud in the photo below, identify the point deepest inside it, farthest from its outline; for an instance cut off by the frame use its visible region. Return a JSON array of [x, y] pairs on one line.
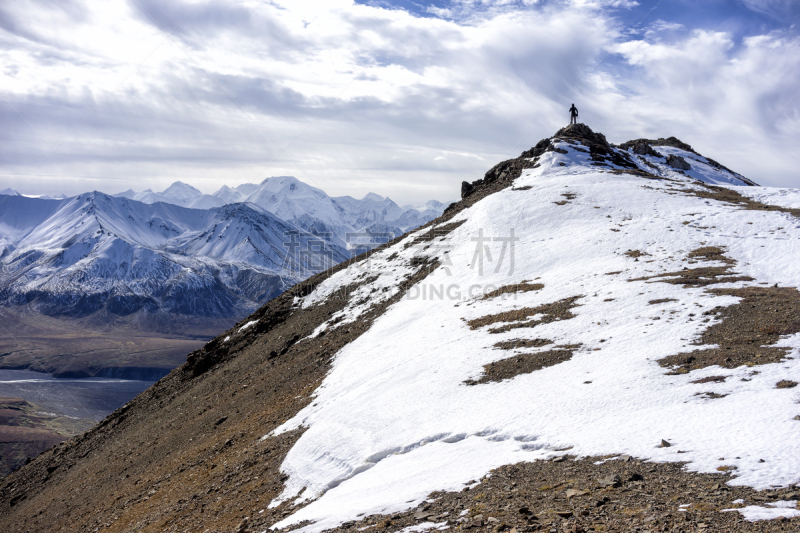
[[597, 4], [660, 26], [361, 97], [772, 7], [739, 104]]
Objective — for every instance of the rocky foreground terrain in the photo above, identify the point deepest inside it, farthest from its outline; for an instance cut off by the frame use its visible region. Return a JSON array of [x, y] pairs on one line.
[[635, 370]]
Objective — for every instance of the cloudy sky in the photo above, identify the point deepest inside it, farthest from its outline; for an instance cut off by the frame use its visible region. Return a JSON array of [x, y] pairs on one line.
[[399, 97]]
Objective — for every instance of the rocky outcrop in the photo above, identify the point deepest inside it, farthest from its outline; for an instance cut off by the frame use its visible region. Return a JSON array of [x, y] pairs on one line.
[[506, 172], [583, 133], [678, 162], [669, 141], [602, 152], [640, 147]]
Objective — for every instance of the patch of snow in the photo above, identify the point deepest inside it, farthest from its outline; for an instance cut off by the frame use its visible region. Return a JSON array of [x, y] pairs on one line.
[[251, 323], [779, 509], [424, 526]]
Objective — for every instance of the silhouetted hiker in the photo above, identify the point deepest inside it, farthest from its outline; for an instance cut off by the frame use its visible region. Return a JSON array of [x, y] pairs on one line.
[[573, 114]]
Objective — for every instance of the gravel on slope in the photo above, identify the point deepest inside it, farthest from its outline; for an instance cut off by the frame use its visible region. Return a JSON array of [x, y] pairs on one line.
[[746, 331], [517, 318], [599, 494], [523, 363]]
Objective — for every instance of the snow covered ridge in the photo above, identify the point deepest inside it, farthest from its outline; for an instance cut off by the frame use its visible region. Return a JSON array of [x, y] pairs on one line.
[[606, 301], [97, 252]]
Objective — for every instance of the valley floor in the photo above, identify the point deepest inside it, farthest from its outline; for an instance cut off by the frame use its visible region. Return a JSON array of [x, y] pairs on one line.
[[71, 348]]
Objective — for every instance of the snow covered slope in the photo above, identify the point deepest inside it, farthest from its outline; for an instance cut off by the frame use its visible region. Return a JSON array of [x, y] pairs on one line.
[[97, 252], [232, 195], [604, 302], [672, 154], [19, 216]]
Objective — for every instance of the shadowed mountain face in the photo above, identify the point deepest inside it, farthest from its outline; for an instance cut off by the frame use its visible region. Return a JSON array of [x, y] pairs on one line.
[[582, 300]]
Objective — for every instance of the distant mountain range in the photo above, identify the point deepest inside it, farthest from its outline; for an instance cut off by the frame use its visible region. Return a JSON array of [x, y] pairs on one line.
[[182, 253]]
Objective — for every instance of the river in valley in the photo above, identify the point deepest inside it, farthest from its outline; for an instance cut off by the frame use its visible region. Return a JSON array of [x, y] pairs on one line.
[[90, 398]]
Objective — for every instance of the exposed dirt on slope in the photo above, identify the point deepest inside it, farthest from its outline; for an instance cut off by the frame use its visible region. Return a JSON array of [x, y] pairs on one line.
[[518, 318], [576, 496], [701, 276], [635, 254], [568, 197], [661, 301], [434, 232], [729, 196], [523, 363], [522, 343], [698, 277], [523, 286], [746, 331]]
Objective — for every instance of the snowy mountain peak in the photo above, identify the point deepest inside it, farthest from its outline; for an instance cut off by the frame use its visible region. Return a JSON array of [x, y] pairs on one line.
[[282, 180], [578, 146], [130, 193], [9, 192], [181, 191], [308, 207]]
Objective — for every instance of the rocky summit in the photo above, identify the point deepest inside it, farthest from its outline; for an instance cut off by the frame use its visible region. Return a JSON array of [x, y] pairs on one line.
[[596, 337]]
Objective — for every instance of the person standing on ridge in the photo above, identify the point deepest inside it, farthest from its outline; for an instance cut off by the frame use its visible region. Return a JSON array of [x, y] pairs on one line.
[[573, 114]]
